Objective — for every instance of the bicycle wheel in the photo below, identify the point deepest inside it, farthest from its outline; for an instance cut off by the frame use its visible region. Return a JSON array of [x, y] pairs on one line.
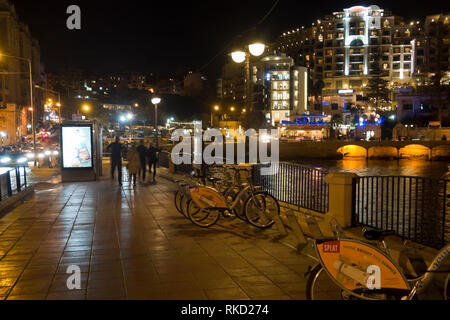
[[321, 287], [204, 218], [230, 194], [260, 209], [177, 201], [184, 201]]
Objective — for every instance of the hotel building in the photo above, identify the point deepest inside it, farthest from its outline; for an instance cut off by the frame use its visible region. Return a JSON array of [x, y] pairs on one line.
[[278, 88], [346, 48]]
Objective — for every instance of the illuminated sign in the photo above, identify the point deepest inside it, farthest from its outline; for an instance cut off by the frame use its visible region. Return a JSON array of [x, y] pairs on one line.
[[76, 147], [345, 91]]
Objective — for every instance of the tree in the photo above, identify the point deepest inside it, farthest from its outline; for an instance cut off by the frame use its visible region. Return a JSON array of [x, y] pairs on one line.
[[336, 121], [318, 91], [377, 86]]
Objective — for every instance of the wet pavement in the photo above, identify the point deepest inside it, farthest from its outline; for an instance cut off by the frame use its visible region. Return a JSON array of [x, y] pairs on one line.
[[131, 243]]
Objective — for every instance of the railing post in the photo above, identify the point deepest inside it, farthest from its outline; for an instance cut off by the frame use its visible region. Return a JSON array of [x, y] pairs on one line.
[[8, 183], [18, 187], [171, 164], [341, 197], [25, 176]]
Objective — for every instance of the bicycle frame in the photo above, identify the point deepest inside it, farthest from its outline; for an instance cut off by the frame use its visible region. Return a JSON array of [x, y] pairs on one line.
[[425, 279], [419, 284], [344, 261]]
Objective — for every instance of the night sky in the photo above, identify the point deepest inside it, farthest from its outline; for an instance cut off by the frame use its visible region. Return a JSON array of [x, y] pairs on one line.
[[169, 36]]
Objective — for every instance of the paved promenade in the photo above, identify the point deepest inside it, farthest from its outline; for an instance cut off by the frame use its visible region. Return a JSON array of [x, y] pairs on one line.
[[131, 243]]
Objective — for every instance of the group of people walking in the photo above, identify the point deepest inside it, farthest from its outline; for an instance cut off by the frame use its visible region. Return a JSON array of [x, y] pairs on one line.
[[138, 157]]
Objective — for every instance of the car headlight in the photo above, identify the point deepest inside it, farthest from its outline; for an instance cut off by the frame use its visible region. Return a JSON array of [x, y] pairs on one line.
[[5, 160], [22, 160]]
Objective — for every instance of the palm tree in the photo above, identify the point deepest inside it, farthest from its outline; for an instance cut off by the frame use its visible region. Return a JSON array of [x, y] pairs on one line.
[[318, 91]]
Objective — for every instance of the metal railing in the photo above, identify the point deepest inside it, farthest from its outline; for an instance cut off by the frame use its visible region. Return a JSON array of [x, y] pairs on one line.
[[416, 208], [13, 181], [164, 161], [296, 185]]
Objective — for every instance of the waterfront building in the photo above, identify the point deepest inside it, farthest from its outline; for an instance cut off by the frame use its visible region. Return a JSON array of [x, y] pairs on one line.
[[306, 127], [279, 88], [346, 49], [424, 103]]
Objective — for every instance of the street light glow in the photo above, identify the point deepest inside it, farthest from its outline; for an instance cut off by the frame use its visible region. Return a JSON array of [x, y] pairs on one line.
[[257, 49], [216, 108], [156, 100], [238, 56]]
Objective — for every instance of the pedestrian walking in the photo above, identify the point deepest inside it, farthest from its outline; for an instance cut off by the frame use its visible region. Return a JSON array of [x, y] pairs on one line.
[[134, 164], [116, 149], [152, 156], [142, 150]]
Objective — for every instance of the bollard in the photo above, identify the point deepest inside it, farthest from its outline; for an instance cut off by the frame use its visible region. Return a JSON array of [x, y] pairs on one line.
[[341, 197]]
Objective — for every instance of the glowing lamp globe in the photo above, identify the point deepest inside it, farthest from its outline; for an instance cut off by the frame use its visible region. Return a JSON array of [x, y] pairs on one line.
[[257, 49], [156, 100], [238, 56]]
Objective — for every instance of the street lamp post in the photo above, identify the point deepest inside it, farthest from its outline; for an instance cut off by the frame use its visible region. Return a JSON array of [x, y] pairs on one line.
[[31, 99], [156, 101], [216, 108], [255, 49]]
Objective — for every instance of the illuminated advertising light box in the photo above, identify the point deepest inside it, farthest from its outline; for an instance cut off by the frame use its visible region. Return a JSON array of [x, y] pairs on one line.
[[77, 147]]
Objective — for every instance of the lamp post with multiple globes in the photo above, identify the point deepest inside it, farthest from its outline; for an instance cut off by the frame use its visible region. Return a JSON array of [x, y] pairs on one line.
[[255, 49]]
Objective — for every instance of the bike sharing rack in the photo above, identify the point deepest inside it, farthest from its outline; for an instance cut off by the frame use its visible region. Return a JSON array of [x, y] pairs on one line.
[[81, 151]]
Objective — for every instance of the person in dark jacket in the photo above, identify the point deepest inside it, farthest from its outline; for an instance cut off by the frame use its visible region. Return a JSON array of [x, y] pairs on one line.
[[116, 149], [142, 150], [152, 159]]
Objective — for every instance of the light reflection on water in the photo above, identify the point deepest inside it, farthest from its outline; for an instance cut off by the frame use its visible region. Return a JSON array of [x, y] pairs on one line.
[[366, 168]]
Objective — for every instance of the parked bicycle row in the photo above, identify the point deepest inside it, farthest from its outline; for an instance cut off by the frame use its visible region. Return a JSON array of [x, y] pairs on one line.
[[226, 191], [339, 271]]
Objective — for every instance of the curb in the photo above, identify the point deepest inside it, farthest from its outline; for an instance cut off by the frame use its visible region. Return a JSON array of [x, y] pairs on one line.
[[8, 204]]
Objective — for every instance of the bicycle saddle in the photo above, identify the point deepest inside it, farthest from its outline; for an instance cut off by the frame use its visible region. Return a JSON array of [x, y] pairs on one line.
[[378, 235]]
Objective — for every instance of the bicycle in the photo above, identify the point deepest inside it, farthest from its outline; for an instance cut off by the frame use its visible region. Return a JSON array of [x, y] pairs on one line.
[[208, 204], [181, 198], [352, 269]]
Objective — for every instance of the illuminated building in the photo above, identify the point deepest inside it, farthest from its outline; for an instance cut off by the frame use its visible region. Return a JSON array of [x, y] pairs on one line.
[[345, 49], [280, 89], [306, 127], [283, 87], [16, 40], [231, 85]]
